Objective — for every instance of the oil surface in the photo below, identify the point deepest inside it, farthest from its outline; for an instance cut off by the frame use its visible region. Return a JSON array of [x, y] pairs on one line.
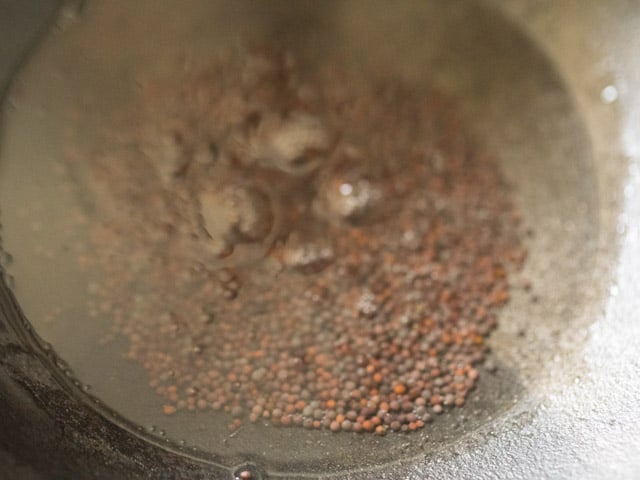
[[299, 247]]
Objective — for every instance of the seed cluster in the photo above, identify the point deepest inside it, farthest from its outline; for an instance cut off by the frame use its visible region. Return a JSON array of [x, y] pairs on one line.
[[301, 246]]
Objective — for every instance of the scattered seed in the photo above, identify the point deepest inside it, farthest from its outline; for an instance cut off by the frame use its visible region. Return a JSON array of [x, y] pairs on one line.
[[169, 409]]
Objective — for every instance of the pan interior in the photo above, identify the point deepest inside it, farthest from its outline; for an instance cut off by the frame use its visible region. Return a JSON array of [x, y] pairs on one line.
[[510, 96]]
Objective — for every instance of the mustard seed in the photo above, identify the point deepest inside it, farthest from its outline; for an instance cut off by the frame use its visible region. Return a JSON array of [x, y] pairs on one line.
[[379, 235]]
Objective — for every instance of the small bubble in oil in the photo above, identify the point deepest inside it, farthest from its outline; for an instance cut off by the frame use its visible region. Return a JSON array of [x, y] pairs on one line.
[[609, 94], [346, 189]]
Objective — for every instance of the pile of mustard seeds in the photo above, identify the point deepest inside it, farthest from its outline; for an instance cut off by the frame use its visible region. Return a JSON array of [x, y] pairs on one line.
[[297, 245]]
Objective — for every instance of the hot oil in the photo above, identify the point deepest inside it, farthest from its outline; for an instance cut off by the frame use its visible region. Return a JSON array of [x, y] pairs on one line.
[[74, 93]]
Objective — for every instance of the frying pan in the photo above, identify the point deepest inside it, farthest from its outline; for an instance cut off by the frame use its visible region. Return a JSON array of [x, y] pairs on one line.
[[551, 87]]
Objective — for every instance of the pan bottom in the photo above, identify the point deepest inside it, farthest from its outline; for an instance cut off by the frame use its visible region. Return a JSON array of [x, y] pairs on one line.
[[510, 96]]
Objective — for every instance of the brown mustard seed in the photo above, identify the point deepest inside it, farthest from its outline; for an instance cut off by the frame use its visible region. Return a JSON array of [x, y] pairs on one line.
[[377, 266], [169, 409]]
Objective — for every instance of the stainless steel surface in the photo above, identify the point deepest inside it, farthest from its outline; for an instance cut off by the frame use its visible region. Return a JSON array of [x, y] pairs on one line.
[[586, 428]]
